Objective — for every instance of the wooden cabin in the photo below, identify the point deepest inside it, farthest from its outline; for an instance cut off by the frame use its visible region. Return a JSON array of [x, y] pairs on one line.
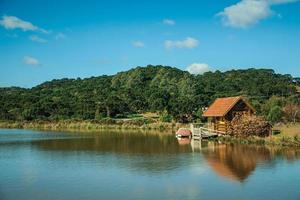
[[223, 110]]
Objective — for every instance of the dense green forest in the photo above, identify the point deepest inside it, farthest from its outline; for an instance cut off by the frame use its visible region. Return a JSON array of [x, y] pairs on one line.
[[173, 93]]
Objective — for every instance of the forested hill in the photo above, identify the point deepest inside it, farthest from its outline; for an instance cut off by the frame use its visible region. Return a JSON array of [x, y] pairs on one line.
[[143, 89]]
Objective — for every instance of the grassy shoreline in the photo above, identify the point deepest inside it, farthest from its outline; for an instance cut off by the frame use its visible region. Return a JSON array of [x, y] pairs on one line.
[[91, 125], [278, 140], [284, 139]]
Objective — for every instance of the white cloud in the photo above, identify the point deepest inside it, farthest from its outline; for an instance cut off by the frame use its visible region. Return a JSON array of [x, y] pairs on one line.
[[36, 38], [245, 13], [59, 36], [198, 68], [169, 22], [189, 43], [28, 60], [138, 44], [12, 22], [248, 12]]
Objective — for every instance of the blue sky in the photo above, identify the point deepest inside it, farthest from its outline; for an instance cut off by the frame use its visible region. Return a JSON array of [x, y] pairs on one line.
[[45, 40]]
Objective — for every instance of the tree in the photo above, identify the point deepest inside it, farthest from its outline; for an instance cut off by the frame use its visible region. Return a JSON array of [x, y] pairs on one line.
[[275, 115], [272, 102], [291, 112], [147, 89]]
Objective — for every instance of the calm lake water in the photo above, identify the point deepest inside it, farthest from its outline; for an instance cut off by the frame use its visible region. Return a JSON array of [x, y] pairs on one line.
[[58, 165]]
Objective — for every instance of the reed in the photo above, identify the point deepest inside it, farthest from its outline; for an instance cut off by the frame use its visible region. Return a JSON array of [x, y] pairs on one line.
[[90, 125]]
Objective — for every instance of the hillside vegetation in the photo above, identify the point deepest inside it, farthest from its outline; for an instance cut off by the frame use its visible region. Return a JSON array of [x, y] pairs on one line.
[[172, 93]]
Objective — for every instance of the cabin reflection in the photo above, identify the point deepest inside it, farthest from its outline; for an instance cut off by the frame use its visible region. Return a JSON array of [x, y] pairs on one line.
[[235, 161]]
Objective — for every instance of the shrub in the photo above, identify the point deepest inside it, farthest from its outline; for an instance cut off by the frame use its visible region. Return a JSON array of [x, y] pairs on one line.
[[297, 138], [165, 117], [107, 121]]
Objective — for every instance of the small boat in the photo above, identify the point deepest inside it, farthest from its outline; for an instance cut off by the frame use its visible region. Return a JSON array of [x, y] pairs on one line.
[[183, 132]]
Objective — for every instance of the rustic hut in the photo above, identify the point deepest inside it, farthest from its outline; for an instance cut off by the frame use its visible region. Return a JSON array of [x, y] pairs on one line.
[[223, 110]]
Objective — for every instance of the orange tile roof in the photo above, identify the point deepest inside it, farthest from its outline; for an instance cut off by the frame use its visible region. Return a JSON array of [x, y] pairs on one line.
[[221, 106]]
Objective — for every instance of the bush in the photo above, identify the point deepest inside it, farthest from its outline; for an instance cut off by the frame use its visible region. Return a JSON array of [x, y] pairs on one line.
[[107, 121], [297, 138], [165, 117], [249, 126]]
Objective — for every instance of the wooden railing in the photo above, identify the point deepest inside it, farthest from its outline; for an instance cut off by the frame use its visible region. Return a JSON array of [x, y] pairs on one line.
[[199, 132]]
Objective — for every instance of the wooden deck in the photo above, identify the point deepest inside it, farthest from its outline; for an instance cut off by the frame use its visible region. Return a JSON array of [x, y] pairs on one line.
[[200, 132]]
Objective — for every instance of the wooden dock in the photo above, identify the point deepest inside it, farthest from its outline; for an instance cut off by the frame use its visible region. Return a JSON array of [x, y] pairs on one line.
[[200, 132]]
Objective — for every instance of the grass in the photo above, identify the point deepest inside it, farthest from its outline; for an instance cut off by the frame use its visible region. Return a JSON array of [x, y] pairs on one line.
[[150, 115], [289, 130], [94, 125], [279, 140], [145, 121]]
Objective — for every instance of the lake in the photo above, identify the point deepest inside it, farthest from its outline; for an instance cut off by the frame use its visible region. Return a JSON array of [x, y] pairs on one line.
[[123, 165]]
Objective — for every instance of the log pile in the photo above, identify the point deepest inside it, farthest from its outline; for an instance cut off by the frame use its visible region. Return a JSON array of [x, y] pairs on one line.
[[242, 125]]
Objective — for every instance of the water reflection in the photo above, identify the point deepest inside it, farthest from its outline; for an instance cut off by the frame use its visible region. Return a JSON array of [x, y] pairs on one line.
[[115, 142], [150, 153], [235, 162], [153, 153], [238, 161], [184, 141]]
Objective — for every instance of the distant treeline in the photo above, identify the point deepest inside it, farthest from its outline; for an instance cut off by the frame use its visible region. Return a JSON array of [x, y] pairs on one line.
[[173, 93]]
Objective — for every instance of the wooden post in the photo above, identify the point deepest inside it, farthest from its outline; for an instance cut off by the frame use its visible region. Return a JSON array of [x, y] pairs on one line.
[[201, 130], [192, 129]]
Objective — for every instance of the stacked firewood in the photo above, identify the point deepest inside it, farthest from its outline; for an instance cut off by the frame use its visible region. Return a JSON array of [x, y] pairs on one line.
[[243, 125]]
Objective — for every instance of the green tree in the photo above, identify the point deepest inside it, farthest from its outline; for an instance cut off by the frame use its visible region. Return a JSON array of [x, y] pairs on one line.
[[275, 114], [146, 89]]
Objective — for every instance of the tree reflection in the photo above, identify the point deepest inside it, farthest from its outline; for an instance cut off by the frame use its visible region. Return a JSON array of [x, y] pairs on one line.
[[160, 153], [125, 143], [155, 153]]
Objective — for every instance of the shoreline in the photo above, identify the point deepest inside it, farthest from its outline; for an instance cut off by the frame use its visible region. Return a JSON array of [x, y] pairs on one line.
[[278, 140], [158, 127], [92, 125]]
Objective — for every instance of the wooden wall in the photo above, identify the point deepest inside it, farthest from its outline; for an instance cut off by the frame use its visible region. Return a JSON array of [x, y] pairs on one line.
[[221, 123]]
